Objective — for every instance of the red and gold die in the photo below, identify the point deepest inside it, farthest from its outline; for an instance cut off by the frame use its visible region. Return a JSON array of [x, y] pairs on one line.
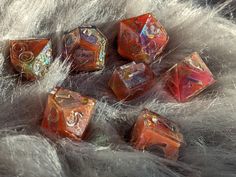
[[85, 47], [31, 57], [188, 78], [141, 38], [131, 80], [152, 129], [68, 113]]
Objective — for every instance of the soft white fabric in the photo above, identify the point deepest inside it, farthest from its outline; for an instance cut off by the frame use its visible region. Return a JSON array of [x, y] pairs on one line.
[[208, 122]]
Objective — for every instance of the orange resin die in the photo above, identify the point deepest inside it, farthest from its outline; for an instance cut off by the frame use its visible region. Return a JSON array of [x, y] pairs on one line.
[[141, 38], [153, 130], [188, 78], [68, 113], [131, 80], [85, 47], [31, 57]]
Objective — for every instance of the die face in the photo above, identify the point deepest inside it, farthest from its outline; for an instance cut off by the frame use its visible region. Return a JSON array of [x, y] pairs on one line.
[[137, 23], [69, 99], [132, 75], [52, 116], [154, 38], [160, 125], [70, 112], [71, 41], [141, 38], [152, 129], [31, 57], [189, 78], [131, 80], [117, 86], [86, 48], [128, 43]]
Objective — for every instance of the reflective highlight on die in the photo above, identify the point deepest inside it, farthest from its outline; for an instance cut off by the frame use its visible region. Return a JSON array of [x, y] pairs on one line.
[[31, 57], [153, 130], [85, 47], [68, 113], [131, 80], [188, 78], [141, 38]]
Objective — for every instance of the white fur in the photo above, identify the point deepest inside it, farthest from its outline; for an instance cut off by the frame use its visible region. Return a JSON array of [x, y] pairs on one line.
[[208, 122]]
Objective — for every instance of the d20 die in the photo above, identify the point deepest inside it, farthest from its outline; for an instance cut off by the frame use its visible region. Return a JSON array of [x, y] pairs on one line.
[[85, 47], [131, 80], [188, 78], [141, 38], [68, 113], [154, 130], [31, 57]]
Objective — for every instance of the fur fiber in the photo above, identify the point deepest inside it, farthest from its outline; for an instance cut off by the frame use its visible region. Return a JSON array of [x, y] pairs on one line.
[[208, 122]]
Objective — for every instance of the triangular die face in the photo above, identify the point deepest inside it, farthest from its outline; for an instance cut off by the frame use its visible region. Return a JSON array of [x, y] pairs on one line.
[[43, 60], [153, 36], [191, 83], [128, 33], [196, 63], [53, 119], [46, 51], [137, 23], [150, 27], [173, 82], [195, 76], [52, 115]]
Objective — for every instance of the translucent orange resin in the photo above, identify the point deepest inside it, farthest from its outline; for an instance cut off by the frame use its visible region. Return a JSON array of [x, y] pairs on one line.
[[141, 38], [188, 78], [152, 129], [131, 80], [68, 113], [31, 57]]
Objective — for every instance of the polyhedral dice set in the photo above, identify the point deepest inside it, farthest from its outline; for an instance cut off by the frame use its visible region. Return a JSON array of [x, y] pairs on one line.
[[140, 39]]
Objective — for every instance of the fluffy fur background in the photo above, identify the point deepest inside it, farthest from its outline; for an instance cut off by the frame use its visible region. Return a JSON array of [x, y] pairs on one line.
[[208, 122]]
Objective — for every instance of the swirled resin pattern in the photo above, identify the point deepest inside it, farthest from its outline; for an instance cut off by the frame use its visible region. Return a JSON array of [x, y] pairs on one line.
[[31, 57], [153, 130], [188, 78]]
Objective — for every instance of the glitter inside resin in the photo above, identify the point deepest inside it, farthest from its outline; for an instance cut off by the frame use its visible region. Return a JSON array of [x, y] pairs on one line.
[[31, 57], [141, 38]]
